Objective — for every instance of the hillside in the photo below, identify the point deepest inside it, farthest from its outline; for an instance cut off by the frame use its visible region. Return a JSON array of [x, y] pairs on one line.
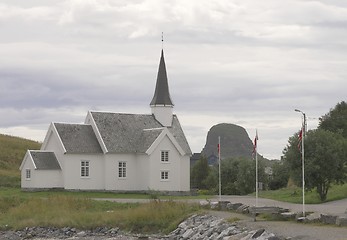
[[12, 150]]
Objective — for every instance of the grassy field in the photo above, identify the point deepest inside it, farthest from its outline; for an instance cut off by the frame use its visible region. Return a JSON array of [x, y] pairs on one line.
[[17, 192], [294, 194], [84, 213]]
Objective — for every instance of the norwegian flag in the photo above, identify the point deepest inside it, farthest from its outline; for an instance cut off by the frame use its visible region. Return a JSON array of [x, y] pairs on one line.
[[300, 140], [255, 144]]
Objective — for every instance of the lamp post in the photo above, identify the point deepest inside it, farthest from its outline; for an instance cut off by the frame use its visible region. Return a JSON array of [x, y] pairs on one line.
[[303, 159]]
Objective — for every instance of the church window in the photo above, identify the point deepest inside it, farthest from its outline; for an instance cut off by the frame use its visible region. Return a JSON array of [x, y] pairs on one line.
[[28, 174], [122, 169], [164, 175], [84, 168], [164, 156]]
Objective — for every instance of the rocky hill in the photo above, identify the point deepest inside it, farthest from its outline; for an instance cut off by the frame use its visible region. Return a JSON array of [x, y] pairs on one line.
[[234, 140]]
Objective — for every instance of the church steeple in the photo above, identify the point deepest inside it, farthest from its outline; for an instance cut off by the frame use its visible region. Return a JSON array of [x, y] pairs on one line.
[[161, 103], [162, 95]]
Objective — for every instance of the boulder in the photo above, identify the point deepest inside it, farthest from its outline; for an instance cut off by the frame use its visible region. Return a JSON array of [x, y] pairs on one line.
[[341, 220], [328, 219]]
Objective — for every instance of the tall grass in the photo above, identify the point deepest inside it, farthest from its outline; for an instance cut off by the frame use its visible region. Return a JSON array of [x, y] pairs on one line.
[[83, 213]]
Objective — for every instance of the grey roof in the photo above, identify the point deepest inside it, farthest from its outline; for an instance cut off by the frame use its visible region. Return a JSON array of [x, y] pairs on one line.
[[134, 133], [161, 94], [178, 133], [78, 138], [45, 160]]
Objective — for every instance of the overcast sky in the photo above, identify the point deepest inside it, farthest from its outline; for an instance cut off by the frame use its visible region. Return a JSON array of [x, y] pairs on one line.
[[246, 62]]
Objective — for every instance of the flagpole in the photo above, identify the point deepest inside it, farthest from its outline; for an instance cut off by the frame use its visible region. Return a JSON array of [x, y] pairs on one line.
[[303, 130], [303, 164], [220, 181], [256, 169]]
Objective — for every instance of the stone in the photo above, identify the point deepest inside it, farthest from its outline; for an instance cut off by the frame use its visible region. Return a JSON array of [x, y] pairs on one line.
[[313, 218], [258, 233], [242, 208], [204, 203], [214, 205], [223, 205], [288, 215], [341, 221], [188, 234], [233, 206], [328, 219]]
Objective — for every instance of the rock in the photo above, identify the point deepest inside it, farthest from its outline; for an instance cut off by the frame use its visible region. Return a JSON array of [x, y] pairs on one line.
[[242, 209], [188, 234], [81, 234], [341, 221], [223, 205], [197, 227], [214, 205], [328, 219], [258, 233], [288, 215], [204, 203], [233, 206], [313, 217]]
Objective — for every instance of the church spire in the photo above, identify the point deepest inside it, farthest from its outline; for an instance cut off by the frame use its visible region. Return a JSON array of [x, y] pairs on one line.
[[161, 95], [161, 103]]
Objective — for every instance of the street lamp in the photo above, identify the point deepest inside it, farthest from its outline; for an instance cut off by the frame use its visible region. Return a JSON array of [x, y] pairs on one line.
[[303, 129]]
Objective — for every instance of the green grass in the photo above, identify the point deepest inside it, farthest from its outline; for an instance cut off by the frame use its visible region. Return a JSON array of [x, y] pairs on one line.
[[8, 191], [83, 213], [12, 150], [9, 178], [294, 194]]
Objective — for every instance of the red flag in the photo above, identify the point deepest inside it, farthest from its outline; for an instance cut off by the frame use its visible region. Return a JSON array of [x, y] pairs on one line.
[[218, 147], [255, 143], [300, 140]]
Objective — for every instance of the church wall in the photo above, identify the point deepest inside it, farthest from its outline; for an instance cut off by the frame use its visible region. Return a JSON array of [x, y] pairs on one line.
[[73, 178], [134, 180], [53, 144], [173, 183]]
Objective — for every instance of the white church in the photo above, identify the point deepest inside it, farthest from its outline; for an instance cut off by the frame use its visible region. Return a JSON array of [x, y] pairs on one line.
[[114, 151]]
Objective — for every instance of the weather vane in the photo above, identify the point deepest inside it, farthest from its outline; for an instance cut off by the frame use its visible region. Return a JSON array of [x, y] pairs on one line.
[[162, 40]]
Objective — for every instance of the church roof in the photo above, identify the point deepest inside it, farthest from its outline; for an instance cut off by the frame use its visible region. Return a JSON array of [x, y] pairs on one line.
[[162, 94], [134, 133], [78, 138], [45, 160]]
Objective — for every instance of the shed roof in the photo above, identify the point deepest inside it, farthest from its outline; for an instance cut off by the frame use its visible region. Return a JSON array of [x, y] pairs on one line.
[[45, 160]]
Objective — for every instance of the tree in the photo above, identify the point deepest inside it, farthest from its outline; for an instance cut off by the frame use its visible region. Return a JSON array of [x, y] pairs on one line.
[[335, 120], [199, 173], [325, 160], [280, 175], [238, 176]]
